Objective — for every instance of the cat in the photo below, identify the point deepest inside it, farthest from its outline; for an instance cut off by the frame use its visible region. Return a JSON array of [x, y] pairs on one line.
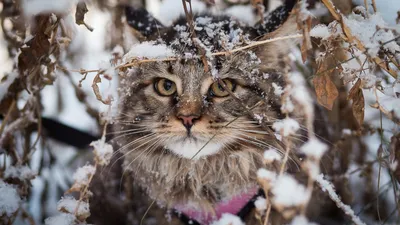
[[187, 135]]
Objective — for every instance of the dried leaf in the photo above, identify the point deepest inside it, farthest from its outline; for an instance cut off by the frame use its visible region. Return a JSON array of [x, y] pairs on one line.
[[358, 105], [81, 10], [353, 91], [306, 46], [326, 90], [96, 90]]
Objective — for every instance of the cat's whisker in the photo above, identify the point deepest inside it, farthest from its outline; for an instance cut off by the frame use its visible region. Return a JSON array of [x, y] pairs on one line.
[[155, 144], [128, 130], [149, 136], [137, 147], [253, 131], [259, 142], [127, 134], [135, 141]]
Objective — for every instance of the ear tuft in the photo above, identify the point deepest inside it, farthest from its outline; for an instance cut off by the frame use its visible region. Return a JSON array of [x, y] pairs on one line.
[[143, 23], [281, 22], [276, 18]]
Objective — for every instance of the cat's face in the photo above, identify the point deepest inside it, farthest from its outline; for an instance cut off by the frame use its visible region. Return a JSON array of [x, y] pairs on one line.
[[191, 114]]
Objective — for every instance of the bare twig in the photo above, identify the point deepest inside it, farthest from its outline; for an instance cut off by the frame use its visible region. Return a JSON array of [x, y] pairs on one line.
[[326, 186], [137, 62]]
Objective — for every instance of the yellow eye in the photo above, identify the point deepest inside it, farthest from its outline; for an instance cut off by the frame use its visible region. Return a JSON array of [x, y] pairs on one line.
[[217, 90], [165, 87]]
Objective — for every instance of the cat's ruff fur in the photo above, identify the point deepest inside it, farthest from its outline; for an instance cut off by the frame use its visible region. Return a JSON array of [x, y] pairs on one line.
[[160, 158]]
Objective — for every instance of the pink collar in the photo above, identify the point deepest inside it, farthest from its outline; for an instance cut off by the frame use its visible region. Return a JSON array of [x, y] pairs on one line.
[[232, 206]]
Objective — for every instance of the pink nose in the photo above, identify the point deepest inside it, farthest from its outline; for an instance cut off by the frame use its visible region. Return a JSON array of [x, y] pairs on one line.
[[188, 121]]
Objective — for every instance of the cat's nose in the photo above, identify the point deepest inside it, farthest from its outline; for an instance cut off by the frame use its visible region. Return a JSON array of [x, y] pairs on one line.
[[188, 121]]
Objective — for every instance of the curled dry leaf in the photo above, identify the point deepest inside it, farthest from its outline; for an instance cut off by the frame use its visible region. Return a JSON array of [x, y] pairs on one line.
[[81, 10], [326, 90], [96, 90], [358, 105]]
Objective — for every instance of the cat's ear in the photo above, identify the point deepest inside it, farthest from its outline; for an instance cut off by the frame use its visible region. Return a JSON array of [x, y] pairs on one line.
[[281, 22], [144, 25]]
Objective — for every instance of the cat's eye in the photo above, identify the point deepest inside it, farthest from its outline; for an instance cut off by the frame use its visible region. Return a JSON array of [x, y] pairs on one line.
[[217, 90], [165, 87]]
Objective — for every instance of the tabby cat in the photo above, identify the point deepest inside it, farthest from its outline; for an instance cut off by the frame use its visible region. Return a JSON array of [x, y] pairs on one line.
[[194, 129]]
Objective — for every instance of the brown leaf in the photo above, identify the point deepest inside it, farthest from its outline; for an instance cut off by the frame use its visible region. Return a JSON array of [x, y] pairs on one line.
[[306, 46], [81, 10], [96, 90], [358, 105], [326, 90], [37, 48], [353, 91]]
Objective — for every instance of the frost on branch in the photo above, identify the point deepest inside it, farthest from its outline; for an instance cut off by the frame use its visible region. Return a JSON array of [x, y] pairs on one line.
[[261, 204], [288, 192], [102, 151], [372, 32], [70, 205], [271, 155], [9, 200], [61, 219], [82, 177], [286, 127], [328, 187], [314, 148], [19, 172]]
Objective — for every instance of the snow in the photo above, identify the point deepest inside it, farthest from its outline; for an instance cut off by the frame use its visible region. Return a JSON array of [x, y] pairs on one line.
[[286, 127], [244, 13], [368, 80], [271, 155], [300, 93], [228, 219], [34, 7], [326, 186], [148, 50], [82, 175], [69, 204], [103, 151], [21, 172], [346, 131], [288, 192], [278, 91], [9, 199], [260, 204], [314, 148], [301, 220], [320, 31], [61, 219], [265, 174], [388, 8], [372, 33], [170, 10], [4, 85]]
